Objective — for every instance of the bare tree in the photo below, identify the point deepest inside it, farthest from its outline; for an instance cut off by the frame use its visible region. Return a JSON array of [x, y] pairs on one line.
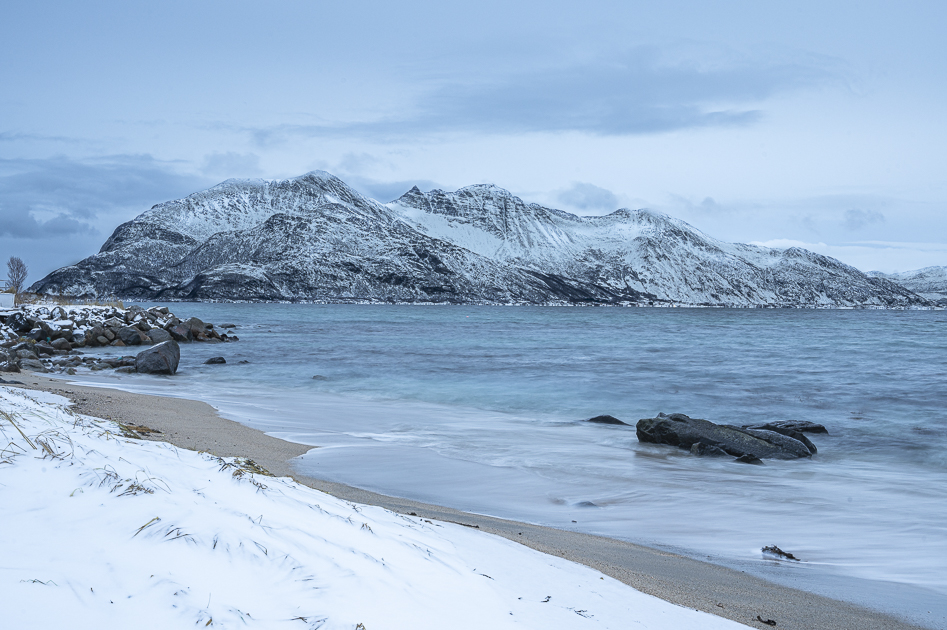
[[16, 274]]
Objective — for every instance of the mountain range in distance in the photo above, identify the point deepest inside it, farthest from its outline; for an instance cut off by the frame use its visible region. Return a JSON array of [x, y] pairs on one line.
[[315, 239]]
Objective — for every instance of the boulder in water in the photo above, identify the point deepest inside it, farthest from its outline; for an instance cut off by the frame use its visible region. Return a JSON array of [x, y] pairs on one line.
[[162, 358], [802, 426], [606, 419], [784, 428], [683, 431]]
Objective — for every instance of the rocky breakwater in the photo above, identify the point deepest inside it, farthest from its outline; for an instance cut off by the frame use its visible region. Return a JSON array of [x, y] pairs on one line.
[[748, 443], [49, 338]]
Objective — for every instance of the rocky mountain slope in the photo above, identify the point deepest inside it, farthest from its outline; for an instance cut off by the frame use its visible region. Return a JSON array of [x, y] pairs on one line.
[[314, 238], [929, 282]]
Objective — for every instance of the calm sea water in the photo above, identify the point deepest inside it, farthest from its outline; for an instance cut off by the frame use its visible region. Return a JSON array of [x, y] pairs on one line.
[[482, 409]]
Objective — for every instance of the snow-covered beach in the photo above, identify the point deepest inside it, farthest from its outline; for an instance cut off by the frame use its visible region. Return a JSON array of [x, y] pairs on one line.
[[102, 531], [50, 538]]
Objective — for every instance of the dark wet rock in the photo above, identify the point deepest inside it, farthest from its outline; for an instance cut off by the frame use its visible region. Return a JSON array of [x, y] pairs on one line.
[[785, 442], [9, 366], [244, 362], [708, 450], [131, 336], [38, 334], [93, 335], [42, 348], [113, 322], [777, 427], [749, 459], [196, 325], [586, 504], [61, 344], [683, 431], [215, 361], [117, 362], [26, 353], [118, 343], [162, 358], [126, 369], [776, 551], [228, 325], [158, 335], [33, 365], [181, 332], [606, 419], [19, 324], [802, 426], [317, 377], [102, 341]]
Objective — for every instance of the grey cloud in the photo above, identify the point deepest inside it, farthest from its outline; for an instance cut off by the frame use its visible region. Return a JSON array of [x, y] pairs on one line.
[[60, 196], [856, 219], [633, 93], [586, 196], [231, 164], [16, 136]]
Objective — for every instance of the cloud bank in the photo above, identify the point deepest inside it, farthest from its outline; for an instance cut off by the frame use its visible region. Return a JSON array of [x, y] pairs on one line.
[[637, 92]]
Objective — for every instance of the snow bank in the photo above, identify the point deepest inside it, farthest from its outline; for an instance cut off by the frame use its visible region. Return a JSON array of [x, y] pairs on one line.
[[102, 531]]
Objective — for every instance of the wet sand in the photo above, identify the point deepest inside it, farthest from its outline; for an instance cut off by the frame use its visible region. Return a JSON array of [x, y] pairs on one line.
[[703, 586]]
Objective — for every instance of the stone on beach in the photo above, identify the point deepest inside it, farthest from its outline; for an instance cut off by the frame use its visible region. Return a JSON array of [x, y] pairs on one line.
[[215, 361], [34, 365], [683, 431], [162, 358]]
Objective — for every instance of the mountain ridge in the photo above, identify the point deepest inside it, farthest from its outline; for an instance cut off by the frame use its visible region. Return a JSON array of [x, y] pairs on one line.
[[314, 238]]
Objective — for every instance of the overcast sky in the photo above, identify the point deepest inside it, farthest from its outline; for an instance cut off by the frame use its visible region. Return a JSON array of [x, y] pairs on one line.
[[819, 124]]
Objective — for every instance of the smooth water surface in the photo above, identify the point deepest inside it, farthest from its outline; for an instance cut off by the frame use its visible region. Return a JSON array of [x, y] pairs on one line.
[[482, 409]]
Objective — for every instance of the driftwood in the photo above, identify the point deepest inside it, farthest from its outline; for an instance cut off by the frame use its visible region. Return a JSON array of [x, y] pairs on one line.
[[776, 551]]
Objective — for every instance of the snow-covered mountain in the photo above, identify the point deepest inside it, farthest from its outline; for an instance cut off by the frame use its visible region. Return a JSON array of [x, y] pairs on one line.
[[929, 282], [314, 238]]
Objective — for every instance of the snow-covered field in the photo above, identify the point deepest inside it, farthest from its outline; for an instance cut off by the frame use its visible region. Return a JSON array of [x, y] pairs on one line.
[[102, 531]]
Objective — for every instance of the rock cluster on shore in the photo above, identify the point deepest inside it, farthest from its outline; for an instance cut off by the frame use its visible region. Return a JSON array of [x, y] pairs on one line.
[[44, 338]]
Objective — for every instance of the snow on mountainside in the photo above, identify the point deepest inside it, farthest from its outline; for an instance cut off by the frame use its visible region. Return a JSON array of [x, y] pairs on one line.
[[929, 282], [314, 238]]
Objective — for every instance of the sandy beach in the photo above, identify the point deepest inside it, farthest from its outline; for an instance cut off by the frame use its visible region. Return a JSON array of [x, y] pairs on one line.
[[702, 586]]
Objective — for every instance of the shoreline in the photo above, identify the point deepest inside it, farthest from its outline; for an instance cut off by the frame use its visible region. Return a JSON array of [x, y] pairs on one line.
[[680, 580]]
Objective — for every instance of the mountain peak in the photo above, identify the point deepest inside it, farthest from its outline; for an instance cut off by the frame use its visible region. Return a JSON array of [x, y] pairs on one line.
[[315, 238]]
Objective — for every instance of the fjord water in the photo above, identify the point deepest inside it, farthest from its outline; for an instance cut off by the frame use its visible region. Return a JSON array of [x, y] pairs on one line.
[[482, 409]]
